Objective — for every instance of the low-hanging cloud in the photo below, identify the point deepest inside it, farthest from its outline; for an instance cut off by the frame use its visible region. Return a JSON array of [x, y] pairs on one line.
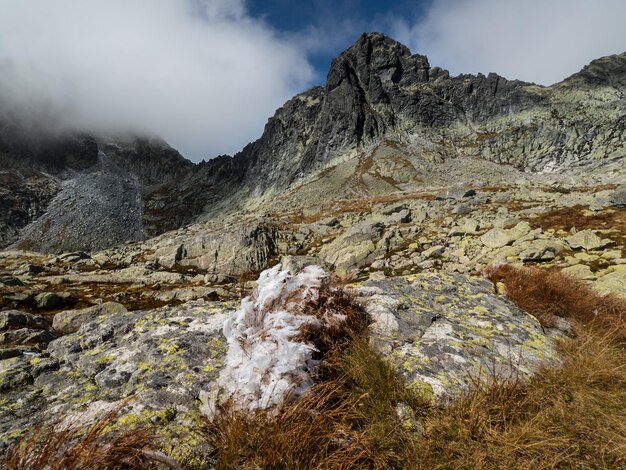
[[542, 41], [201, 73]]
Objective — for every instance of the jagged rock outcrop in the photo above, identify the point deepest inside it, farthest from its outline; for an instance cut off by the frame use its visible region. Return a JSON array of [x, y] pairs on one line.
[[378, 90]]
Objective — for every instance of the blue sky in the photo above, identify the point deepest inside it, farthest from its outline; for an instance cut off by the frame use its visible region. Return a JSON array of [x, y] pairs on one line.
[[207, 74], [337, 23]]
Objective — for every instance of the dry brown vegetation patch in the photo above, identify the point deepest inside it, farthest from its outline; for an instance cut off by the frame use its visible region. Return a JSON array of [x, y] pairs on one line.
[[347, 421], [548, 294], [611, 220], [101, 446]]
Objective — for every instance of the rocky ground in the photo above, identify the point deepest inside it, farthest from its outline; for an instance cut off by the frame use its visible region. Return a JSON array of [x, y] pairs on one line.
[[81, 331]]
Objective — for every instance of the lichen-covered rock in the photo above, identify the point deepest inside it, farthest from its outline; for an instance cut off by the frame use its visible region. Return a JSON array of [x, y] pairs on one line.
[[542, 250], [70, 321], [164, 357], [358, 245], [445, 330]]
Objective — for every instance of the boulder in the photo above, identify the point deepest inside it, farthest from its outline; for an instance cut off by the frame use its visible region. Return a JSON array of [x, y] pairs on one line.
[[14, 319], [542, 250], [497, 238], [357, 246], [444, 330], [48, 300], [433, 251], [618, 197], [462, 209], [579, 271], [26, 336], [73, 257], [613, 281], [456, 193], [70, 321], [11, 281], [587, 240]]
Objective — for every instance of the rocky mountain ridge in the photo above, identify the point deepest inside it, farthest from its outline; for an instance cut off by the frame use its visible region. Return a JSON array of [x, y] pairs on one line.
[[385, 121]]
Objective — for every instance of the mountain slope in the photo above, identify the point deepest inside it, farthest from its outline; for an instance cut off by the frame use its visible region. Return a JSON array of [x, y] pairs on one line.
[[385, 121], [380, 96]]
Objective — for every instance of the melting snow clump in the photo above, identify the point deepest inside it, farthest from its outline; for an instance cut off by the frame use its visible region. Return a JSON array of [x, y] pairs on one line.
[[267, 359]]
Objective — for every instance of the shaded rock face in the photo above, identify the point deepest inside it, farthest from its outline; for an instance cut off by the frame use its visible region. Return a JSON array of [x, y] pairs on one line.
[[84, 201], [24, 196], [25, 147]]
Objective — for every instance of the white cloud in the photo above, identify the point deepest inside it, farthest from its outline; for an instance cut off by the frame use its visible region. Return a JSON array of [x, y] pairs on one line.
[[542, 41], [201, 73]]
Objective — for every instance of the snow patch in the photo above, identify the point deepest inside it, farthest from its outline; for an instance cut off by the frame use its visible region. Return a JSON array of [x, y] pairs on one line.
[[267, 359]]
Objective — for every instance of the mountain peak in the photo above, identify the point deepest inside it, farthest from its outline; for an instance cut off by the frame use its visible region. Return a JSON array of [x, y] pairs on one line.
[[376, 54]]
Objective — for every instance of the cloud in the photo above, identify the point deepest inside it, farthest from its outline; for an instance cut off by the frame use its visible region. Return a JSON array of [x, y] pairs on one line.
[[541, 41], [202, 74]]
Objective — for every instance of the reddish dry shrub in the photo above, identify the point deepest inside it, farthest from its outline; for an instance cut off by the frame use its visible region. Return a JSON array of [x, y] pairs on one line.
[[548, 294], [334, 336], [103, 446]]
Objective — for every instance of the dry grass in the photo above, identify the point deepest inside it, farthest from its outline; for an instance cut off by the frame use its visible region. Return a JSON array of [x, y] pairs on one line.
[[68, 446], [613, 221], [548, 294], [571, 416], [347, 421]]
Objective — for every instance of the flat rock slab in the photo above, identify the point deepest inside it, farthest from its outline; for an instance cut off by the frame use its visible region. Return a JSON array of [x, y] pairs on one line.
[[445, 330]]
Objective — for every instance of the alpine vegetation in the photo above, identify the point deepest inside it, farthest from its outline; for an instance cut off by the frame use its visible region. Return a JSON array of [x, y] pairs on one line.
[[270, 356]]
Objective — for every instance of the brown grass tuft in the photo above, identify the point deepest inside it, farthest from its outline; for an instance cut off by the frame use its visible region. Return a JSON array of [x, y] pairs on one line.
[[347, 421], [570, 416], [103, 446], [548, 294]]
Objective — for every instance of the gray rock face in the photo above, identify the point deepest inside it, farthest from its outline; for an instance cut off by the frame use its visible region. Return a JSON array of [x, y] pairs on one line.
[[166, 356], [24, 196], [70, 321], [75, 192], [445, 330]]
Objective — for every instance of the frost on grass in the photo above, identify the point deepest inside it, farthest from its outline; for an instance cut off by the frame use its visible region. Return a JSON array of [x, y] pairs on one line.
[[268, 358]]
